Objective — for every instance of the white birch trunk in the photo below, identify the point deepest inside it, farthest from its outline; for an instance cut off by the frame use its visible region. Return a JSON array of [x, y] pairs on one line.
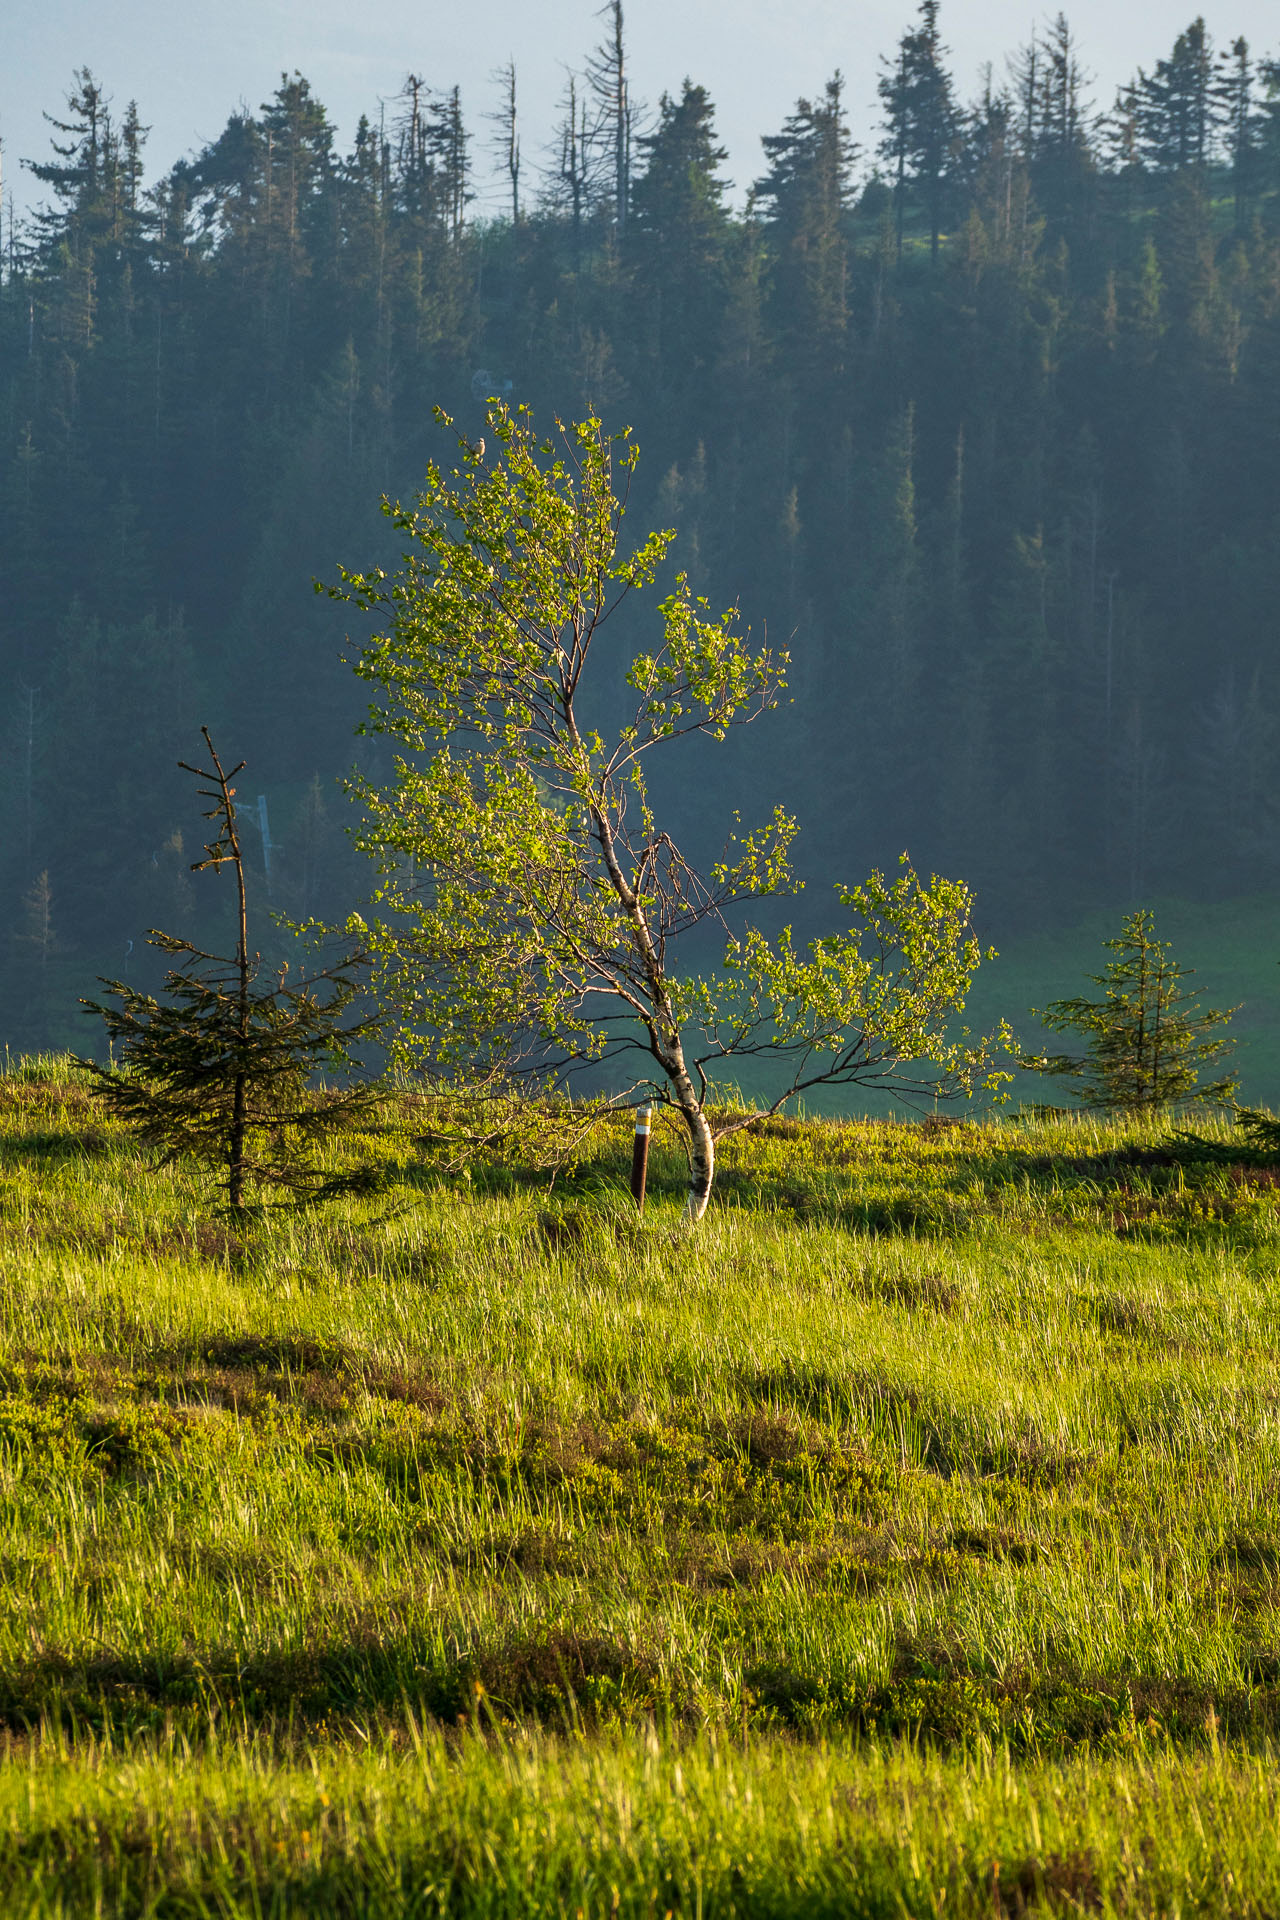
[[702, 1147], [665, 1034], [702, 1166]]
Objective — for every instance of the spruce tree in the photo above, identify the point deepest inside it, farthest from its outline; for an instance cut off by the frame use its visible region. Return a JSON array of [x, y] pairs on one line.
[[807, 191], [1063, 161], [1179, 108], [679, 237], [219, 1071], [679, 196], [1147, 1041], [922, 121], [1233, 92], [1268, 123]]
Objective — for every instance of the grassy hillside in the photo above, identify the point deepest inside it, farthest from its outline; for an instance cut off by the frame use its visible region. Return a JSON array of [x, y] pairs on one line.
[[904, 1541]]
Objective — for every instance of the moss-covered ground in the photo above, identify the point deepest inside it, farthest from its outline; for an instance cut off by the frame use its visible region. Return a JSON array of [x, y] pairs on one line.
[[905, 1540]]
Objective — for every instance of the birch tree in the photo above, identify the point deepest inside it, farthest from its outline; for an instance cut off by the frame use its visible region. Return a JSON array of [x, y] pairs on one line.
[[531, 910]]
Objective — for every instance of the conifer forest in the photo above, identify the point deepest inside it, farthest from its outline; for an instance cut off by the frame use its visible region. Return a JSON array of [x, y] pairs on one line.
[[981, 422]]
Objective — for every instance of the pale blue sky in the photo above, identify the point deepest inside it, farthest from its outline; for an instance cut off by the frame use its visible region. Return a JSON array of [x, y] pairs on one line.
[[190, 66]]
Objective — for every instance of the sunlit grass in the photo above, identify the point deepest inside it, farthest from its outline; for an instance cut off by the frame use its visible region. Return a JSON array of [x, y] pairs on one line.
[[937, 1468], [637, 1826]]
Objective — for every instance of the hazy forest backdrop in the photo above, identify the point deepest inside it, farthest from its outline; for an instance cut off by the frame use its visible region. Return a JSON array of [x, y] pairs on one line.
[[985, 424]]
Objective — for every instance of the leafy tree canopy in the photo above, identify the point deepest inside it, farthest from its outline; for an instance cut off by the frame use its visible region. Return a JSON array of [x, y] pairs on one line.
[[533, 914]]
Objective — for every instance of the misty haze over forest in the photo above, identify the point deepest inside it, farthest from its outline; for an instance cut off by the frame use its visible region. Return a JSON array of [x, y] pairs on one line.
[[984, 424]]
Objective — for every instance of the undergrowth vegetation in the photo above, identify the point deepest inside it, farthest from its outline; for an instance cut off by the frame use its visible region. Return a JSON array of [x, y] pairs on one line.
[[904, 1539]]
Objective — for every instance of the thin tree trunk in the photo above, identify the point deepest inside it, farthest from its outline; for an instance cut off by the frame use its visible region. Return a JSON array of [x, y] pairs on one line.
[[664, 1034], [239, 1092], [702, 1163], [235, 1184], [702, 1146], [235, 1156]]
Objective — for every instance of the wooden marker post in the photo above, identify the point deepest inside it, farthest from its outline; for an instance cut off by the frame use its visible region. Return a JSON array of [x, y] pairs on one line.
[[640, 1156]]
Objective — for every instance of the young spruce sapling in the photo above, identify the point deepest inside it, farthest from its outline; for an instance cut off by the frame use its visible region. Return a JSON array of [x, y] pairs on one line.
[[221, 1069]]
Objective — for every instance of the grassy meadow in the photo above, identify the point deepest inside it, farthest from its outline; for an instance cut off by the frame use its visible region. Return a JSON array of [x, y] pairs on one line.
[[904, 1541]]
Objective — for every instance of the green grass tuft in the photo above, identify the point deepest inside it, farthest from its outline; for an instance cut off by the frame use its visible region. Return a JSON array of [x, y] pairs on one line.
[[904, 1540]]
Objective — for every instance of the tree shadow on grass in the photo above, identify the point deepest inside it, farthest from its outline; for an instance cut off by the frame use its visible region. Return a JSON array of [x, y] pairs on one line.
[[556, 1675], [44, 1147], [917, 1426], [570, 1679]]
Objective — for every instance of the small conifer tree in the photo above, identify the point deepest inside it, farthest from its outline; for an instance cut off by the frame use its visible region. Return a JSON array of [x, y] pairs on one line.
[[1147, 1040], [220, 1070]]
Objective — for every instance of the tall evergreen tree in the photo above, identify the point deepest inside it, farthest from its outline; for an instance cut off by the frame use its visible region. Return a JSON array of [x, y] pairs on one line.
[[922, 121], [1178, 105], [680, 232], [1269, 122], [1063, 160], [807, 191], [1233, 92]]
